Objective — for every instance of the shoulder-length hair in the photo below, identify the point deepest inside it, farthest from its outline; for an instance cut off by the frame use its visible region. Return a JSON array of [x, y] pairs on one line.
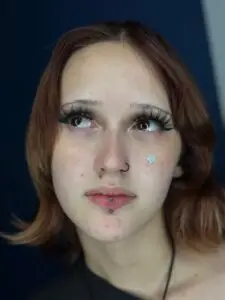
[[194, 208]]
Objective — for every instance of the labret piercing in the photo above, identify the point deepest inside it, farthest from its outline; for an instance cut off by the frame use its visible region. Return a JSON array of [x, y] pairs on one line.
[[151, 159], [110, 210]]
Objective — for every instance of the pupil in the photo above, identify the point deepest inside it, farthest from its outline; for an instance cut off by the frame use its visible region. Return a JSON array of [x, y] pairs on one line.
[[143, 126], [76, 121]]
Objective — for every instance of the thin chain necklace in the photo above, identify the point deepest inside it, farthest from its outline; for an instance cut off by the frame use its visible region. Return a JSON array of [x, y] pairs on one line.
[[170, 271], [169, 274]]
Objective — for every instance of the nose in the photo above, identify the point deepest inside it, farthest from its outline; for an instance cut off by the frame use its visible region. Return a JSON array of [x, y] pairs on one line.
[[112, 155]]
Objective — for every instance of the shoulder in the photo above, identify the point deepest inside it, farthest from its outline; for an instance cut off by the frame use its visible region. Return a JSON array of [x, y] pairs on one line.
[[212, 288], [205, 277], [70, 286]]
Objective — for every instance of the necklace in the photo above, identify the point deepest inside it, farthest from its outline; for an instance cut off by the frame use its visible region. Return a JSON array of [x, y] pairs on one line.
[[169, 274], [170, 271]]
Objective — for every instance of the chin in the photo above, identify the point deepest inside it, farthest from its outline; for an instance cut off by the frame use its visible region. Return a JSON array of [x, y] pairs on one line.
[[108, 230], [107, 236]]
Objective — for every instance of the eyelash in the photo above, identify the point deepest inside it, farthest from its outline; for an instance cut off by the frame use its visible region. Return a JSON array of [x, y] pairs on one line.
[[163, 119], [66, 115]]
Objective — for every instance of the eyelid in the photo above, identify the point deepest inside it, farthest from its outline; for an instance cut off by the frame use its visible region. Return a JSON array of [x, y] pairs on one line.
[[143, 115], [154, 113], [72, 109], [163, 118]]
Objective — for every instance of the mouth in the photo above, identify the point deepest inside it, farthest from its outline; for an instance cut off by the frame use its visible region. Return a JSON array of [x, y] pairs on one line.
[[110, 199]]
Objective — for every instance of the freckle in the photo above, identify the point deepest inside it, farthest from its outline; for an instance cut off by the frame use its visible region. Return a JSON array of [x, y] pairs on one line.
[[81, 175]]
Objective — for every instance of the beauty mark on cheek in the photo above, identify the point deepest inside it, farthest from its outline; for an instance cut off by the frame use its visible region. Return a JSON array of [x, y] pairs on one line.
[[151, 159]]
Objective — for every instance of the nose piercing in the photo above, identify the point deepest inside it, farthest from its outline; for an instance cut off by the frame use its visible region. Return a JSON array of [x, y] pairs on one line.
[[127, 168]]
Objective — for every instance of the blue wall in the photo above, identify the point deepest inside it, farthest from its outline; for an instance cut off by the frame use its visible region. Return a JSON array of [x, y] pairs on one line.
[[31, 29]]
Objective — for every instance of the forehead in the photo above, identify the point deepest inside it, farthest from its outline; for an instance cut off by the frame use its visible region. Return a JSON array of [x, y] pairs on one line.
[[111, 72]]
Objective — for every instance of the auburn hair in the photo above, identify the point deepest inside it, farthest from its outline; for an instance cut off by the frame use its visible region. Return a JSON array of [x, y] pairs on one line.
[[194, 209]]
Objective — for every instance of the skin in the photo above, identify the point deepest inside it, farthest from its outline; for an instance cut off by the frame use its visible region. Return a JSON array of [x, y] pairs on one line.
[[129, 248]]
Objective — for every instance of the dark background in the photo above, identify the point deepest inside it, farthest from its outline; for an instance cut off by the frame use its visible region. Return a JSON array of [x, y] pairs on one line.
[[29, 31]]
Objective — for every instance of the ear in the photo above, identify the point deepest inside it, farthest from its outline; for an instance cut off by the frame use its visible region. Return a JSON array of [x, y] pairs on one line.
[[178, 172]]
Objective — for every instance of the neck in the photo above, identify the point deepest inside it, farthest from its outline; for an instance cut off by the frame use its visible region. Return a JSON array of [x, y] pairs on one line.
[[136, 263]]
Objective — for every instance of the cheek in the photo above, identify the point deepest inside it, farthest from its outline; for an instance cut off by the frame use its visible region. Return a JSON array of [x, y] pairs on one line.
[[158, 170], [161, 167], [158, 159], [155, 179], [163, 151], [67, 162]]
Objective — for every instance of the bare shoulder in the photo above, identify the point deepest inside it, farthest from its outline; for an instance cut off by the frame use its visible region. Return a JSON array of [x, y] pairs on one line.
[[206, 278], [213, 288]]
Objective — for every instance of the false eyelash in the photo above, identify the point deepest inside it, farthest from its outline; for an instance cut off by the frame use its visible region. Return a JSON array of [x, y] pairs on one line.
[[66, 114], [163, 119], [156, 114]]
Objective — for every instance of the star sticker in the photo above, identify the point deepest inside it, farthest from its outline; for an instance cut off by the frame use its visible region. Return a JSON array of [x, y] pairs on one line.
[[151, 159]]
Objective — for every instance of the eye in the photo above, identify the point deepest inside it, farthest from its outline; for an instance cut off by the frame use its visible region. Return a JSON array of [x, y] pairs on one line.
[[147, 125], [80, 121]]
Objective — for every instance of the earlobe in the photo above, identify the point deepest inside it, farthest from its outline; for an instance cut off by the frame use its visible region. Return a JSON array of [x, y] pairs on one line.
[[178, 172]]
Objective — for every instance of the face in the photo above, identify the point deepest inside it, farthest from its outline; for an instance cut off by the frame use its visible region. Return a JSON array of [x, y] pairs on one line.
[[114, 116]]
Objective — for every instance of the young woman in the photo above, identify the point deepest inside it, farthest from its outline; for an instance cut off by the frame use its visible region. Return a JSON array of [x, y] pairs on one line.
[[120, 149]]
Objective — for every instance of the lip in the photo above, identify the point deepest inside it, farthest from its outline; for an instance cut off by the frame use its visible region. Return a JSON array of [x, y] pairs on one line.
[[106, 191], [110, 199]]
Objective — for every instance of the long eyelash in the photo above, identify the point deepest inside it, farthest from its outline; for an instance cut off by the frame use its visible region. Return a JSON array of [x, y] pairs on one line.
[[156, 114], [67, 113]]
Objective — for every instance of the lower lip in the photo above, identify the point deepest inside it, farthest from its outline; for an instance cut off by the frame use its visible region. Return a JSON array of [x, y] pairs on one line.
[[105, 201]]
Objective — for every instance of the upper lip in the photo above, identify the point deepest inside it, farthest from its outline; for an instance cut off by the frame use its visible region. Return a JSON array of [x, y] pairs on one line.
[[115, 191]]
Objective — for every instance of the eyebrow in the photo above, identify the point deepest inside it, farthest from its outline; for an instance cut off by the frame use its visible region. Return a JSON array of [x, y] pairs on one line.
[[90, 102], [84, 102], [147, 107]]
